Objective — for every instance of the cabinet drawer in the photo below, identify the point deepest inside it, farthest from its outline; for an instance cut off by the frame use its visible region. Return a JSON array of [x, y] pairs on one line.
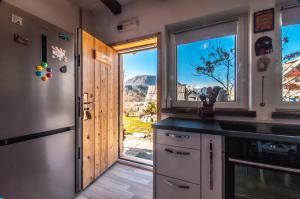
[[169, 188], [178, 138], [181, 163]]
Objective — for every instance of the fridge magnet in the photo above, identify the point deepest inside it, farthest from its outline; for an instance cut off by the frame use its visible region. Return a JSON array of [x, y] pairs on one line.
[[39, 68], [264, 20], [49, 70], [59, 53], [38, 73], [43, 71], [49, 75], [63, 69], [64, 36], [44, 64], [263, 46], [21, 40], [44, 78], [263, 63]]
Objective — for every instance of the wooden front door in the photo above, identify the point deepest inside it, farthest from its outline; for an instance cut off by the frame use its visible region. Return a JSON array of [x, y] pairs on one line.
[[100, 108]]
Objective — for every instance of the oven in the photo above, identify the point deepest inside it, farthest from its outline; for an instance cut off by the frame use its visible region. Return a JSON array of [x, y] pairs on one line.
[[260, 169]]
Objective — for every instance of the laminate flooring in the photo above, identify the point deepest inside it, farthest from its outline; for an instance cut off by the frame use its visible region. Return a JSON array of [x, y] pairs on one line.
[[121, 182]]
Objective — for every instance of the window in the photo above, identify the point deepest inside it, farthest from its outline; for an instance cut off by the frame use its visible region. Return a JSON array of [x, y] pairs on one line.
[[213, 55], [290, 76]]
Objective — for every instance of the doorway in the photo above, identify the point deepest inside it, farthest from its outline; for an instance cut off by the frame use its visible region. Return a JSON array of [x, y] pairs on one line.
[[138, 92]]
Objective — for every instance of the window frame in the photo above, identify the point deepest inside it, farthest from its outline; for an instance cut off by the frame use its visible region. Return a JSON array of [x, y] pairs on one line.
[[242, 62], [280, 104]]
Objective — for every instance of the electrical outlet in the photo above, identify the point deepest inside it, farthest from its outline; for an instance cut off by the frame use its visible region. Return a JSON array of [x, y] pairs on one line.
[[17, 20]]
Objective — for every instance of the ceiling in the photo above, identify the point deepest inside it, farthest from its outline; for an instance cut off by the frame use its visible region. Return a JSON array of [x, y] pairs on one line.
[[96, 5]]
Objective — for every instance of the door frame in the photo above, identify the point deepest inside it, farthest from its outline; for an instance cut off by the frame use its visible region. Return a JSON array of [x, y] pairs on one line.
[[120, 91], [78, 109]]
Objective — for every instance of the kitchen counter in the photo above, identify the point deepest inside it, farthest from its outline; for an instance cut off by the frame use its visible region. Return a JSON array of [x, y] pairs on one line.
[[250, 130]]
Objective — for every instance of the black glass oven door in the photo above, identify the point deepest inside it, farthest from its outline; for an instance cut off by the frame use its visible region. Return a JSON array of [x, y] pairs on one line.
[[250, 180]]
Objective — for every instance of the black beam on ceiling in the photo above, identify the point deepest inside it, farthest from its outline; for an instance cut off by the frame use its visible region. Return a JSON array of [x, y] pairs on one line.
[[114, 6]]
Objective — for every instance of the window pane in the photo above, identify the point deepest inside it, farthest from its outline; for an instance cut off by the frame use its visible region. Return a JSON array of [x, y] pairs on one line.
[[207, 63], [291, 63]]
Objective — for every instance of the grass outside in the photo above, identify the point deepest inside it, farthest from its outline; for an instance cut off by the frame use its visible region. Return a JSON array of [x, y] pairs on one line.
[[135, 125]]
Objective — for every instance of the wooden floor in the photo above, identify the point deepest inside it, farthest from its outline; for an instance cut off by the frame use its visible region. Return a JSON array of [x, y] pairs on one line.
[[121, 182]]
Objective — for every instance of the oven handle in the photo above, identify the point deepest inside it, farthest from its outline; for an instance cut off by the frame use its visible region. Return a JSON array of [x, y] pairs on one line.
[[267, 166]]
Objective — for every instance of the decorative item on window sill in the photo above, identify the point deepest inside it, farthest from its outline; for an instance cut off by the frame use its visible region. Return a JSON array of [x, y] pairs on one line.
[[263, 63], [208, 98]]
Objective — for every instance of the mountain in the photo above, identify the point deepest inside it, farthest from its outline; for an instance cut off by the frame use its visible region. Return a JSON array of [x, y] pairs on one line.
[[145, 80], [136, 88]]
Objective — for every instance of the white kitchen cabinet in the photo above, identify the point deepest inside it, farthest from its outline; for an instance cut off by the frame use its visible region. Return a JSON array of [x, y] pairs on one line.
[[188, 165], [212, 164]]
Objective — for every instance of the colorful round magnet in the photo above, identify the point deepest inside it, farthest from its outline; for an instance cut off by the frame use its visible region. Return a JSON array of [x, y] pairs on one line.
[[44, 78], [38, 73], [44, 64], [39, 68], [49, 70], [49, 75]]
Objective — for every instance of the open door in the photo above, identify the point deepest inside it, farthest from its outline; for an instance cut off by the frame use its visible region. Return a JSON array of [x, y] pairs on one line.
[[99, 94], [139, 97]]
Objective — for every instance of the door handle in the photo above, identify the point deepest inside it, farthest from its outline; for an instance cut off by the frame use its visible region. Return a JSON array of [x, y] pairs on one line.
[[172, 184], [183, 153], [175, 136], [87, 114]]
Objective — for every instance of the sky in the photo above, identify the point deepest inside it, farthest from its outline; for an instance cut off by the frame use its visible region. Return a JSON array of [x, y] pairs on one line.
[[188, 58], [140, 63], [293, 33]]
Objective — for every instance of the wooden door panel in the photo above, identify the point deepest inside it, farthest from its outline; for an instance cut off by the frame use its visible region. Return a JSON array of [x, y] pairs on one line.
[[88, 96], [110, 129], [104, 118], [102, 86], [97, 119]]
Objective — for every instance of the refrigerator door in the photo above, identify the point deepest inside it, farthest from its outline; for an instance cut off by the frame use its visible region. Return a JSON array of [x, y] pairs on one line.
[[29, 105], [40, 168]]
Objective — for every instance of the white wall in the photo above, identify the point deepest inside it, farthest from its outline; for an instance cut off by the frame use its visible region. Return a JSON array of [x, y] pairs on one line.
[[87, 19], [155, 14], [61, 13], [263, 113]]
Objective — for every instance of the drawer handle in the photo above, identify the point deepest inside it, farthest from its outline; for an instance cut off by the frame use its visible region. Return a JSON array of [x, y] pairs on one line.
[[174, 136], [172, 184], [177, 152]]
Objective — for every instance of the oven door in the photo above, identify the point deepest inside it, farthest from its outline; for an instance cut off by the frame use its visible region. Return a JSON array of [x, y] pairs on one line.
[[253, 180]]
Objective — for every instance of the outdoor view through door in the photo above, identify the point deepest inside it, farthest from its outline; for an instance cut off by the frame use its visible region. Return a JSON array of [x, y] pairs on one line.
[[139, 109]]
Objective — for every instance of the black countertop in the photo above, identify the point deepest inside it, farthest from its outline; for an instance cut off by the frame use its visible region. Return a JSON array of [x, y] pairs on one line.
[[250, 130]]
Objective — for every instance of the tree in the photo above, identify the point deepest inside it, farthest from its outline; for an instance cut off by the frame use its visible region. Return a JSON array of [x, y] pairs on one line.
[[151, 109], [217, 64]]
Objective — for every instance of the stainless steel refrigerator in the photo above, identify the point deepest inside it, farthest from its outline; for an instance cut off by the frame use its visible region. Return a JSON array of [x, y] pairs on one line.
[[37, 108]]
